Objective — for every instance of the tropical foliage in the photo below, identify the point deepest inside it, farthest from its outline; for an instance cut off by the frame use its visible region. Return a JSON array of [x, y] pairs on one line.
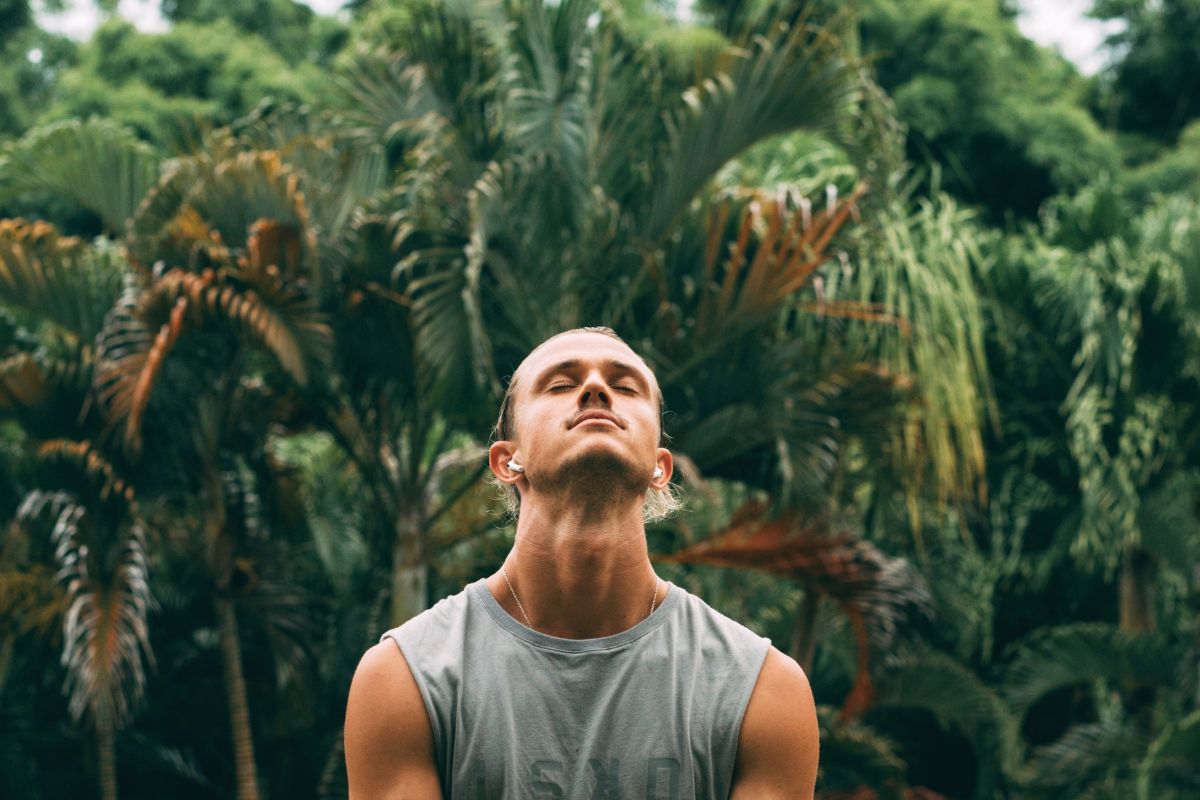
[[922, 299]]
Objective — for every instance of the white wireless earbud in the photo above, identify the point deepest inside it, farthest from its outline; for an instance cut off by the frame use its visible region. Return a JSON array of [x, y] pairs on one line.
[[658, 473], [514, 466]]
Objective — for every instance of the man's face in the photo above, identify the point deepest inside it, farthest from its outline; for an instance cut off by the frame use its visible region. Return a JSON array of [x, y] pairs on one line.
[[586, 407]]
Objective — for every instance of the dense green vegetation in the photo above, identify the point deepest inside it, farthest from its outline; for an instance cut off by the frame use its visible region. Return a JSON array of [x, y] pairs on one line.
[[923, 300]]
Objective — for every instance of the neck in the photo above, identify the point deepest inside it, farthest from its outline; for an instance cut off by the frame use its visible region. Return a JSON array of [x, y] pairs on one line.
[[580, 572]]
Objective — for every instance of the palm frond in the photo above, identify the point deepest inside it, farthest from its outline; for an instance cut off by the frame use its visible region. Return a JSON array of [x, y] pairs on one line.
[[44, 392], [129, 366], [177, 761], [811, 550], [1171, 767], [23, 384], [105, 634], [82, 456], [131, 363], [56, 278], [31, 599], [876, 591], [388, 97], [96, 163], [800, 75], [456, 45], [208, 204], [855, 757], [741, 274], [1087, 752], [443, 278], [778, 245], [1124, 311], [956, 697], [288, 624], [547, 83], [339, 172], [1069, 655], [924, 269]]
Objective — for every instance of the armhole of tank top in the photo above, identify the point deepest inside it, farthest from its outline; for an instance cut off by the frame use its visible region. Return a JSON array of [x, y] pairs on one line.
[[435, 726], [744, 703]]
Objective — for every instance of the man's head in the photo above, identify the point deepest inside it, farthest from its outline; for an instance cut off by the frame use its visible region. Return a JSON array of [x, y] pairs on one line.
[[584, 411]]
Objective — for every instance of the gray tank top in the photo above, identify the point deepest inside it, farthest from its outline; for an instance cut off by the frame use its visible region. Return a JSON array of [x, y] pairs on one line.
[[651, 712]]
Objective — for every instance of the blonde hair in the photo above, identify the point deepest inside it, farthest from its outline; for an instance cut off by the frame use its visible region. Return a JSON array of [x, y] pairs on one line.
[[660, 503]]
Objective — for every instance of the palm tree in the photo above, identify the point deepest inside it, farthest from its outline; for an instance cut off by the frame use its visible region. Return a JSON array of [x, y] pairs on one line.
[[105, 635], [1126, 749], [1113, 323], [236, 227], [564, 178], [550, 190], [98, 538], [1092, 465]]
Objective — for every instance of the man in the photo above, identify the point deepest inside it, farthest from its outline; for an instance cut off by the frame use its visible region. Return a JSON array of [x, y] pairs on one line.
[[574, 671]]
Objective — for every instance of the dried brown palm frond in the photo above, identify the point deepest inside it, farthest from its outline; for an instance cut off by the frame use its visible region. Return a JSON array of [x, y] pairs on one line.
[[93, 465], [146, 329], [875, 591], [56, 278], [777, 247], [23, 383], [44, 392], [208, 204], [762, 252]]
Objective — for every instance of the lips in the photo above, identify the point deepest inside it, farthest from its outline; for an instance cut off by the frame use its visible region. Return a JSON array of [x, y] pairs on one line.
[[600, 415]]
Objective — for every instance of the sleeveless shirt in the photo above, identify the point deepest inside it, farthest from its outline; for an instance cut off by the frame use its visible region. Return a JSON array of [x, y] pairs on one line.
[[651, 712]]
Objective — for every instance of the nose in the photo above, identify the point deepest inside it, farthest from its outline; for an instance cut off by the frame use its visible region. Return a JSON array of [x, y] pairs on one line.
[[594, 390]]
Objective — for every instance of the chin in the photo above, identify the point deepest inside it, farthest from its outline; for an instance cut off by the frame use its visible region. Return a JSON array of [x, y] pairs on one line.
[[599, 470]]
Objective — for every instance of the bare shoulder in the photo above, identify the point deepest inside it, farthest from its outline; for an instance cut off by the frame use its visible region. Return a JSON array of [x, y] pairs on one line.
[[779, 743], [389, 744]]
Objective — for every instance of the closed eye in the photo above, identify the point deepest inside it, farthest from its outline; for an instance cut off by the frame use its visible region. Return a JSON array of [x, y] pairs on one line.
[[558, 386], [624, 388]]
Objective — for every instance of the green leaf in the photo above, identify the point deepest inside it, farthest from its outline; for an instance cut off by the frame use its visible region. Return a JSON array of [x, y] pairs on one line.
[[96, 163], [1087, 752], [800, 76], [956, 697], [56, 278], [1172, 764], [1068, 655]]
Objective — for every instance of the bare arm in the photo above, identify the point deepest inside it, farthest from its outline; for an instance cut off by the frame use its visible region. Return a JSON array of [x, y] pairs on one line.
[[778, 744], [389, 745]]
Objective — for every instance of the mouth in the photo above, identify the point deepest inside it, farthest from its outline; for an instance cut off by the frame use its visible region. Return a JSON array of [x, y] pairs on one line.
[[596, 418]]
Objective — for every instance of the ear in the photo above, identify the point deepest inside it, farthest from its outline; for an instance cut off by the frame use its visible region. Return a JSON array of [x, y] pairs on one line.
[[499, 455], [666, 463]]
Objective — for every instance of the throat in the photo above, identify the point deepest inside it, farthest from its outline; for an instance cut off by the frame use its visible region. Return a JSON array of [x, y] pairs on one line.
[[578, 576]]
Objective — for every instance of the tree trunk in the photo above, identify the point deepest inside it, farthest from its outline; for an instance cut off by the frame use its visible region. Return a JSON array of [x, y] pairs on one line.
[[1137, 592], [410, 573], [333, 777], [1195, 606], [239, 709], [804, 633], [6, 652], [106, 756]]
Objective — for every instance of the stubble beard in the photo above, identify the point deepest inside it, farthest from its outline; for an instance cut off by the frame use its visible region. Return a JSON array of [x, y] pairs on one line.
[[595, 479]]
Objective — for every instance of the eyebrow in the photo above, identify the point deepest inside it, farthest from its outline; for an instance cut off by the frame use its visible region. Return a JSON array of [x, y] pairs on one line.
[[574, 363]]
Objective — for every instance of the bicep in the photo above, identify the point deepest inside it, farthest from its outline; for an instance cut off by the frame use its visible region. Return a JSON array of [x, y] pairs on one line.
[[389, 743], [779, 742]]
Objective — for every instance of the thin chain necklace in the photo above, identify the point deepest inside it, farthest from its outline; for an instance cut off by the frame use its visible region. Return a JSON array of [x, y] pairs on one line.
[[504, 572]]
